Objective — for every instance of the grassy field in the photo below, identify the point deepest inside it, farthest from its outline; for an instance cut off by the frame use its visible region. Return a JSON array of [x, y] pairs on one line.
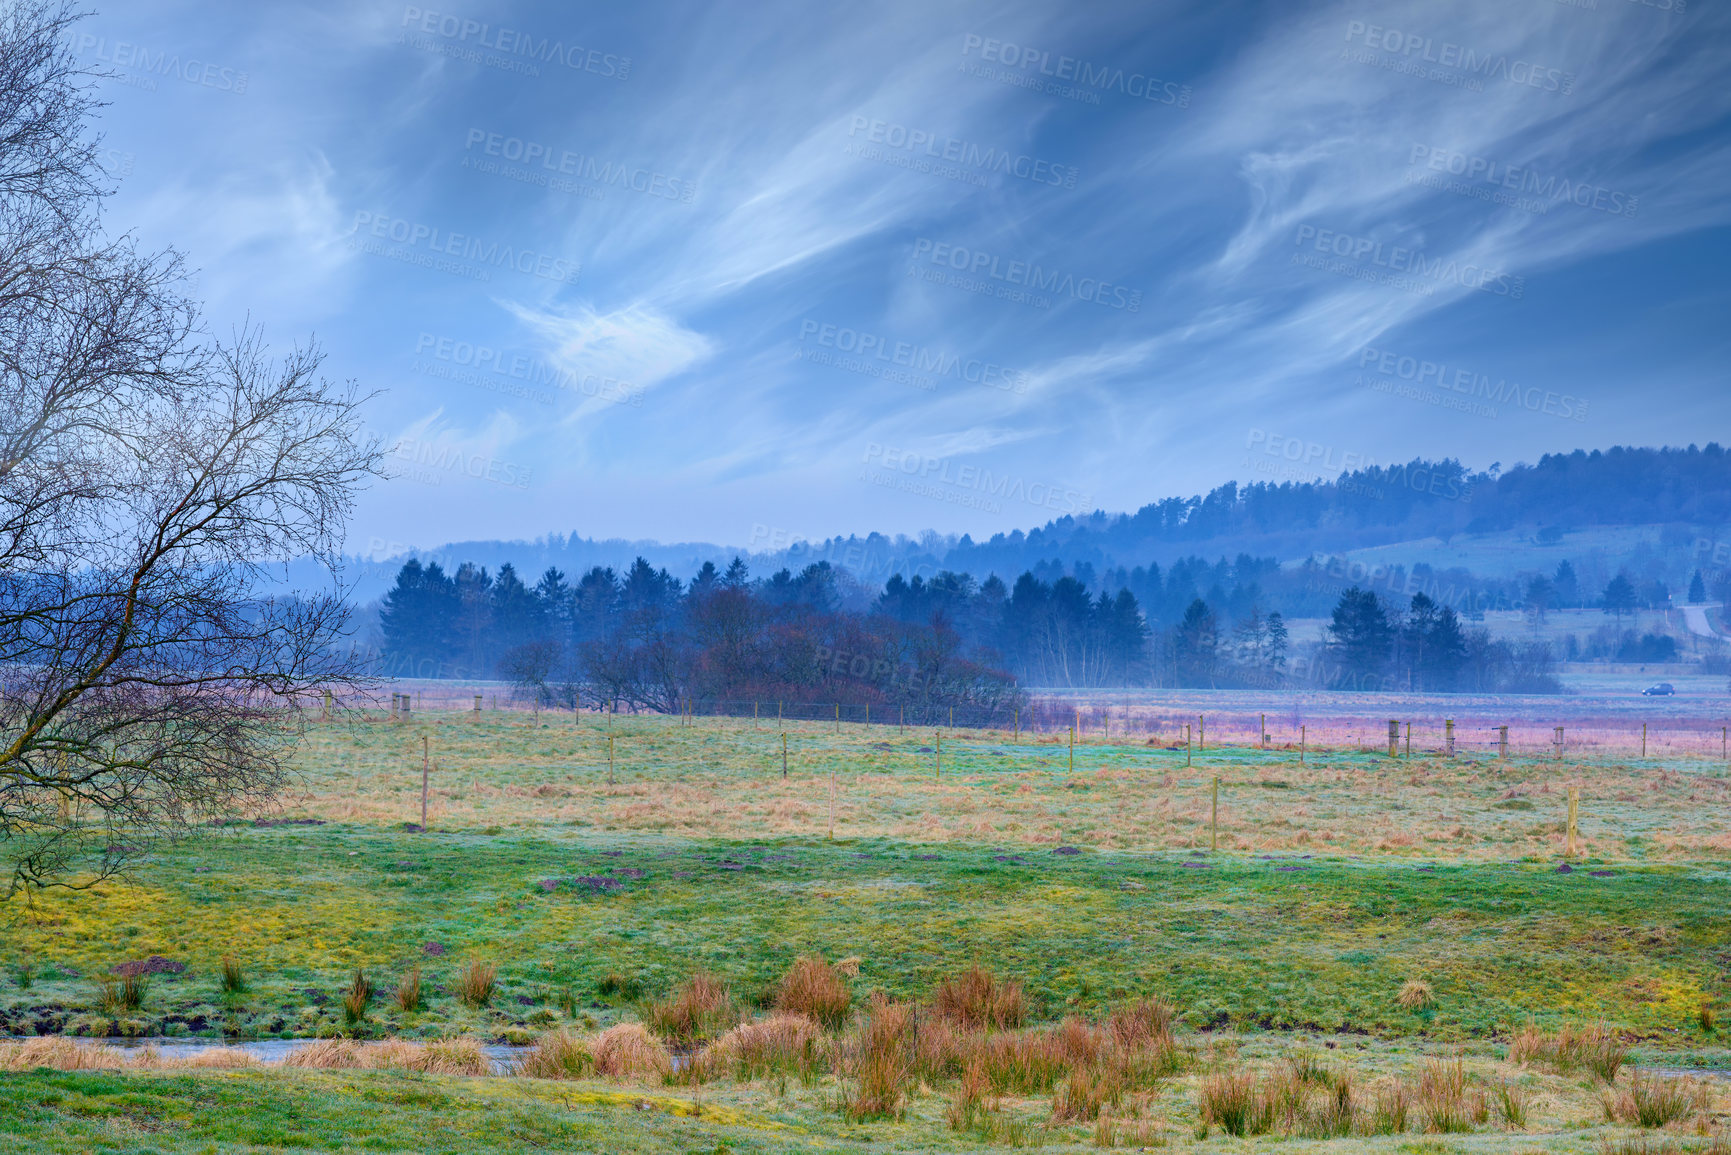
[[1336, 882]]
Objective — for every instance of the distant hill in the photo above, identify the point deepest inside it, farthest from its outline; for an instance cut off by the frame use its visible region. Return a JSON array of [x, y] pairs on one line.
[[1370, 510]]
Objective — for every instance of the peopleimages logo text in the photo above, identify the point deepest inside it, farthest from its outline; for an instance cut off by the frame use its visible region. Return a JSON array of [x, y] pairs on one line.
[[124, 54], [1398, 259], [1524, 180], [1079, 72], [1481, 66], [1436, 375], [1027, 274], [464, 246], [512, 43], [914, 357], [943, 471], [564, 162], [947, 148]]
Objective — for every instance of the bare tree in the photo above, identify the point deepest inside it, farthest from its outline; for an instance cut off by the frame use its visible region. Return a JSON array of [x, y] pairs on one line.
[[150, 481]]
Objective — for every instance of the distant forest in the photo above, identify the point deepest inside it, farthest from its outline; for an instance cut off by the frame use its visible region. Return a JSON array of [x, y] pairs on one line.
[[944, 639], [645, 640], [1685, 491]]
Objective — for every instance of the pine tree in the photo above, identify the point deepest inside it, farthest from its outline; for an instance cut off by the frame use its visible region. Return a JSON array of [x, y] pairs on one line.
[[1361, 636], [1620, 597]]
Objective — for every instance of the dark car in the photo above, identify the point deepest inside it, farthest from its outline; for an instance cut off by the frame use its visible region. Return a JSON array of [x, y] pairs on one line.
[[1659, 690]]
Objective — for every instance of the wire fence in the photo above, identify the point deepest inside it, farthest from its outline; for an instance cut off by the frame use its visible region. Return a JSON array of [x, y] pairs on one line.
[[1425, 734]]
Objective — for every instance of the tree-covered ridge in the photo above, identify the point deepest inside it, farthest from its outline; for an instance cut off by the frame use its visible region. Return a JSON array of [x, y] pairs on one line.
[[1422, 498]]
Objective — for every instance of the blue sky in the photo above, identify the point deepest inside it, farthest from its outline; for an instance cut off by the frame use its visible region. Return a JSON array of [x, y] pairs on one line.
[[751, 272]]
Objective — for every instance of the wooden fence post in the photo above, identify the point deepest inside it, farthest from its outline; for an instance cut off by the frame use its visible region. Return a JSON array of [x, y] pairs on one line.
[[1072, 747], [1201, 732], [1449, 736], [1214, 817], [784, 753], [1574, 814], [1393, 738], [424, 770], [938, 751], [1502, 743], [1643, 739], [609, 759], [1186, 743], [1302, 736]]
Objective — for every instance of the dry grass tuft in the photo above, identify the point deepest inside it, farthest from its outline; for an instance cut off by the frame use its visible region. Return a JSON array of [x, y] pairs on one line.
[[409, 990], [975, 998], [1442, 1097], [60, 1054], [1595, 1047], [1083, 1095], [230, 978], [782, 1042], [360, 993], [558, 1055], [813, 988], [1415, 995], [629, 1051], [1022, 1062], [116, 995], [442, 1057], [1654, 1100], [1390, 1107], [1513, 1104], [475, 983], [1229, 1101], [882, 1061], [326, 1055], [453, 1057], [1143, 1024], [699, 1011]]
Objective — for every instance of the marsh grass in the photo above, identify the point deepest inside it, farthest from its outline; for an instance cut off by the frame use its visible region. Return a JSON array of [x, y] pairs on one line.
[[1513, 1103], [230, 978], [1595, 1048], [882, 1062], [976, 998], [1442, 1101], [627, 1051], [119, 994], [558, 1055], [780, 1044], [1416, 995], [1650, 1100], [1391, 1105], [476, 981], [408, 994], [699, 1010], [1229, 1100], [815, 989], [357, 998]]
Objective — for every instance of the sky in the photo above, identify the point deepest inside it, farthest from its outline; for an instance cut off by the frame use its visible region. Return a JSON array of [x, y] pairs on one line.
[[752, 273]]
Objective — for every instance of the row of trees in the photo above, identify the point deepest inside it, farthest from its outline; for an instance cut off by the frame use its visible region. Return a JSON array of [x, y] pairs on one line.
[[645, 640]]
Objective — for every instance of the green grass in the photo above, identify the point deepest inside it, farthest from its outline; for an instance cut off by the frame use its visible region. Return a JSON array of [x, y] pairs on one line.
[[1338, 880], [140, 1113], [1239, 941]]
